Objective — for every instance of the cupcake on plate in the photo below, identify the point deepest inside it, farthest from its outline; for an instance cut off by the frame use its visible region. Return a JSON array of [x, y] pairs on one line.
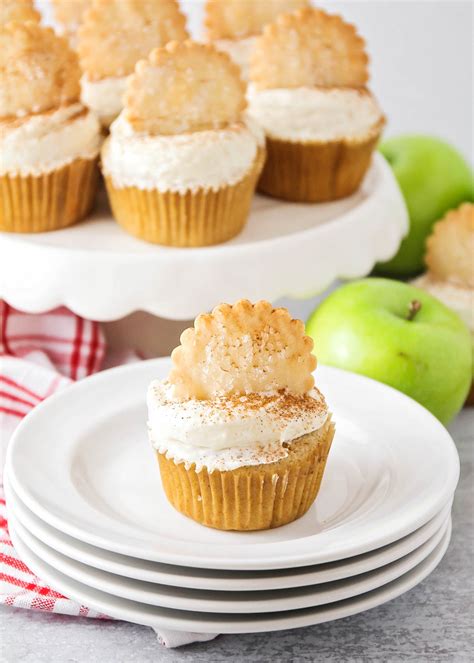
[[68, 17], [114, 35], [232, 25], [240, 431], [450, 262], [182, 161], [18, 10], [49, 143], [308, 92]]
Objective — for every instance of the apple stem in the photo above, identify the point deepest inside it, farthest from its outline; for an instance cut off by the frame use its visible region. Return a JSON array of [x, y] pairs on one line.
[[414, 307]]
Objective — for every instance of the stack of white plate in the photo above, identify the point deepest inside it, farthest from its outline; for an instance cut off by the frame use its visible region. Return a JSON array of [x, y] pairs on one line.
[[88, 514]]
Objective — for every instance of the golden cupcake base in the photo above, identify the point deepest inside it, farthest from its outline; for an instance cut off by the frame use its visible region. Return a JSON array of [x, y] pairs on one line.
[[48, 202], [253, 497], [191, 219], [313, 172]]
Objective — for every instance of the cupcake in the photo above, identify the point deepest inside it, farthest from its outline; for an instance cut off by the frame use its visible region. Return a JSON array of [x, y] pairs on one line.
[[68, 17], [114, 35], [240, 431], [182, 160], [450, 262], [308, 74], [49, 143], [232, 25], [18, 10]]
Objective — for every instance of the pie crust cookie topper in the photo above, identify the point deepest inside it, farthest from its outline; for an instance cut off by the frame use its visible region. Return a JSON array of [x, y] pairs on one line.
[[241, 349], [309, 48], [450, 248], [68, 14], [235, 19], [38, 70], [115, 34], [18, 10], [184, 87]]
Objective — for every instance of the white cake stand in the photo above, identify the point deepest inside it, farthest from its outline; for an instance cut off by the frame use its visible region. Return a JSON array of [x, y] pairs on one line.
[[287, 249]]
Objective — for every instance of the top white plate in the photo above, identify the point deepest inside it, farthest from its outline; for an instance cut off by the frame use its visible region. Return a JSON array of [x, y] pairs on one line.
[[81, 461], [286, 249]]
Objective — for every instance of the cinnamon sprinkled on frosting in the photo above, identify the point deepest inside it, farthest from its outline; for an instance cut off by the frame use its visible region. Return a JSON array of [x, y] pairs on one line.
[[230, 431], [241, 389], [282, 403]]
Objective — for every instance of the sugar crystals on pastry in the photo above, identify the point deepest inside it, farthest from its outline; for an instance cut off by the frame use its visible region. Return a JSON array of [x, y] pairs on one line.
[[232, 25], [114, 35], [18, 10], [49, 141]]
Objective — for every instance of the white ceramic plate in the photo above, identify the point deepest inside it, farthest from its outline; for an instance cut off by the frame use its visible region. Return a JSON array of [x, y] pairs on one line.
[[223, 601], [81, 462], [209, 579], [181, 620], [102, 273]]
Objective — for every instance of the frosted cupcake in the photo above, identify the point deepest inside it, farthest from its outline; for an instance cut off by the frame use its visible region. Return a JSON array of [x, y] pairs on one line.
[[450, 262], [68, 15], [49, 143], [18, 10], [308, 73], [114, 35], [182, 161], [233, 25], [241, 433]]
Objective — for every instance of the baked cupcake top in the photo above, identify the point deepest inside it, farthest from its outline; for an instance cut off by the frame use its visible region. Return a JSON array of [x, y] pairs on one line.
[[233, 25], [18, 10], [308, 72], [449, 259], [240, 389], [183, 125], [42, 123]]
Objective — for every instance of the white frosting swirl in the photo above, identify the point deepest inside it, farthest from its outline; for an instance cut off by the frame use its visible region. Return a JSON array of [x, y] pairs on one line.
[[104, 97], [48, 141], [455, 297], [301, 114], [225, 433], [239, 50], [189, 161]]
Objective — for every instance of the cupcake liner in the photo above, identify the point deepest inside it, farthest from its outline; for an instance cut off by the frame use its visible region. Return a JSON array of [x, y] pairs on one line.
[[190, 219], [314, 172], [48, 202], [253, 497]]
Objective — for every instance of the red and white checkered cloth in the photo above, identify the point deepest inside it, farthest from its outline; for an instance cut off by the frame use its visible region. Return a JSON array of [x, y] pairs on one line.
[[39, 355]]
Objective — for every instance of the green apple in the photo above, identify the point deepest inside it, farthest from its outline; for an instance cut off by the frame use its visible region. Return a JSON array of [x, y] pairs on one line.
[[433, 178], [399, 335]]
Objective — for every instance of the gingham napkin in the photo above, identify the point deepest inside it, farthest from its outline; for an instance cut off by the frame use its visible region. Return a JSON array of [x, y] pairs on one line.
[[39, 355]]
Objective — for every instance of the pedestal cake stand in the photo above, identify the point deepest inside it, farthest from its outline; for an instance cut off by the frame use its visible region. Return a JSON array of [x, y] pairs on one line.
[[286, 249]]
